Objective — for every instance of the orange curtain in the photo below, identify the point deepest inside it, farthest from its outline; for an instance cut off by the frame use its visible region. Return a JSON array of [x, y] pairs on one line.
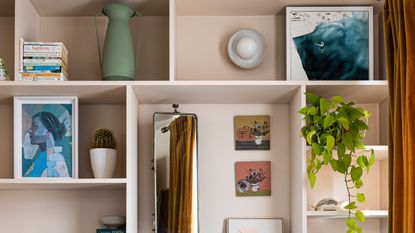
[[182, 144], [399, 23]]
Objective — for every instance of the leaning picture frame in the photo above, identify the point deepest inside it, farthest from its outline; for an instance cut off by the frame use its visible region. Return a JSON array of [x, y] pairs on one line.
[[329, 43], [255, 225], [45, 137]]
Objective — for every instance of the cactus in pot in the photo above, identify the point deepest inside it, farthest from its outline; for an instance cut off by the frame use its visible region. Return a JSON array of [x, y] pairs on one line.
[[103, 153]]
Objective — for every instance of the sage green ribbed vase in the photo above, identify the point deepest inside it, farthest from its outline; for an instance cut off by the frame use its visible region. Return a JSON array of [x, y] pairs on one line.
[[118, 58]]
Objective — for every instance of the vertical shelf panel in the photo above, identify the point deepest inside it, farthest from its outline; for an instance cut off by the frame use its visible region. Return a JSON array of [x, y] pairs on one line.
[[132, 161], [297, 166]]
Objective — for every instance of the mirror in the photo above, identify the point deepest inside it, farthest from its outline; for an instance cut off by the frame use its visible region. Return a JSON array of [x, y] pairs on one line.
[[175, 173]]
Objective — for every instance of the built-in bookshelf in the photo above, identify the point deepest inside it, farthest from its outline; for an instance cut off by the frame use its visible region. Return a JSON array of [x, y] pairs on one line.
[[182, 59]]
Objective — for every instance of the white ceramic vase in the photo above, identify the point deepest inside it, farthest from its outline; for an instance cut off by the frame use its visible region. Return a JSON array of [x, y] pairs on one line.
[[103, 162]]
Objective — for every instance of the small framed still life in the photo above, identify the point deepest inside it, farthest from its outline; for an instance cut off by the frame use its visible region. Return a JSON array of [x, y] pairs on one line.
[[255, 225], [253, 178], [252, 132], [45, 136], [330, 43]]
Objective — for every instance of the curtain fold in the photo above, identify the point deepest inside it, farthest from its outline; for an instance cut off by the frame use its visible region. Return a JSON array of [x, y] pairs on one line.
[[399, 29], [182, 145]]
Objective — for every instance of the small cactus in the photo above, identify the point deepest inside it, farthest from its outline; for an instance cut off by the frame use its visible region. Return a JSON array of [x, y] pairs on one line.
[[103, 138]]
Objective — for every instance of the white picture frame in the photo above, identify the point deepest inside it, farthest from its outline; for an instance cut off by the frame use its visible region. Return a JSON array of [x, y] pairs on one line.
[[50, 124], [257, 225], [303, 22]]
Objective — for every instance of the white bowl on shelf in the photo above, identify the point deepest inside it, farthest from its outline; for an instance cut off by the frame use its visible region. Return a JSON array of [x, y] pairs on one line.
[[113, 221]]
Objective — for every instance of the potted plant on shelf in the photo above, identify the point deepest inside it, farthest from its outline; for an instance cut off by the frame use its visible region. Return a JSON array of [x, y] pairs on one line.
[[103, 154], [333, 125], [260, 130]]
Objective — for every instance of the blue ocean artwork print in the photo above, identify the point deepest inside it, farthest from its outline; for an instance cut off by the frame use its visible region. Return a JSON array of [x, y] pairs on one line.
[[331, 45], [47, 140]]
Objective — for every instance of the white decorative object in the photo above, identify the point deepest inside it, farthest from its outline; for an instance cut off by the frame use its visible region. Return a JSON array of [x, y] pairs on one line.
[[3, 72], [113, 221], [103, 162], [246, 48]]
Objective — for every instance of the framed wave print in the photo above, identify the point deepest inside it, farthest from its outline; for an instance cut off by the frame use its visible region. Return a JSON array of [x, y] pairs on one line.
[[45, 137], [329, 43]]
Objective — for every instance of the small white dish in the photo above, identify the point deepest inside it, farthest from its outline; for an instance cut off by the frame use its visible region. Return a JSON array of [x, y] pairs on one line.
[[246, 48], [113, 221]]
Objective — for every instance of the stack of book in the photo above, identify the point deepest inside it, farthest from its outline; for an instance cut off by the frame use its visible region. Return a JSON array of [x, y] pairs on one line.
[[43, 61]]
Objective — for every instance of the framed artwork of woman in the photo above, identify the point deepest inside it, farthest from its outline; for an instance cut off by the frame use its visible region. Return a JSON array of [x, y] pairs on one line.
[[45, 137]]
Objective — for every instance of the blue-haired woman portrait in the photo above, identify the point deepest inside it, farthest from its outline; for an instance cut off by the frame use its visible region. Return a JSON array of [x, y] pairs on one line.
[[46, 143]]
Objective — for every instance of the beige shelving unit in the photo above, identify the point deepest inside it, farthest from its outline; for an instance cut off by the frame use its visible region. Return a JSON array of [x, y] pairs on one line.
[[183, 60]]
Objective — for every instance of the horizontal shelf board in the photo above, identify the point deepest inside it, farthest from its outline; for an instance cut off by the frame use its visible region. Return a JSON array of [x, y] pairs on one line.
[[93, 92], [22, 184], [92, 7], [343, 214], [215, 93], [267, 7], [357, 91], [381, 151]]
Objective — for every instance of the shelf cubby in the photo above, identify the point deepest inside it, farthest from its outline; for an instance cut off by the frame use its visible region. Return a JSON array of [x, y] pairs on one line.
[[73, 24], [99, 106]]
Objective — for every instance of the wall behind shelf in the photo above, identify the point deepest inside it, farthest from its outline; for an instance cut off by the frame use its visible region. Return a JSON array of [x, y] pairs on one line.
[[7, 43], [216, 165]]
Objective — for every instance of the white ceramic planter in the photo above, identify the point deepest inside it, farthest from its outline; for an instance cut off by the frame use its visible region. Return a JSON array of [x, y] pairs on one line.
[[103, 162]]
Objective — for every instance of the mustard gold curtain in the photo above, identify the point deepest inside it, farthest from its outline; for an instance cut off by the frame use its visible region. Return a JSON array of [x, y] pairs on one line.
[[182, 144], [399, 24]]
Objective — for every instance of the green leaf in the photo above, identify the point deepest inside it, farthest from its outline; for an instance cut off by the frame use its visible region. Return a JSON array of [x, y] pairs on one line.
[[312, 179], [358, 184], [330, 142], [360, 197], [304, 110], [310, 168], [341, 166], [310, 136], [312, 99], [340, 150], [327, 156], [350, 231], [317, 148], [348, 141], [344, 122], [347, 159], [337, 99], [328, 121], [358, 229], [351, 223], [372, 157], [324, 106], [360, 216], [359, 144], [360, 161], [334, 165], [318, 164], [351, 206], [356, 173], [312, 111]]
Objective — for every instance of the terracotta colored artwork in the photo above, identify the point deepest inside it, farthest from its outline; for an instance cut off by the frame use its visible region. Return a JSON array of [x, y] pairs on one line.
[[253, 178], [252, 132]]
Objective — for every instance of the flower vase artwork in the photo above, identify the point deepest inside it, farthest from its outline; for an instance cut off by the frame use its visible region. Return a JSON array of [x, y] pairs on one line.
[[252, 132], [253, 178]]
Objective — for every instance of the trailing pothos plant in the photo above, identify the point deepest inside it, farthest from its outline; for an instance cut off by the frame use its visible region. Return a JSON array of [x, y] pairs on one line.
[[334, 129]]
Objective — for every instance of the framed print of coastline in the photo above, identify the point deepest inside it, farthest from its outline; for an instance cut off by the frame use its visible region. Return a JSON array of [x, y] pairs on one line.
[[329, 43], [45, 137], [255, 225]]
